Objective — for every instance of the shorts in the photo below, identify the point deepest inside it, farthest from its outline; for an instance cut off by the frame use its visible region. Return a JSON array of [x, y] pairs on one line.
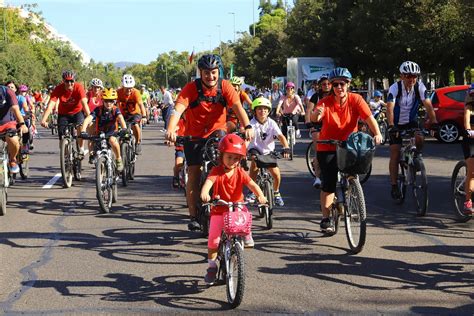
[[133, 118], [193, 149], [328, 165], [65, 119], [178, 153], [467, 145], [397, 140]]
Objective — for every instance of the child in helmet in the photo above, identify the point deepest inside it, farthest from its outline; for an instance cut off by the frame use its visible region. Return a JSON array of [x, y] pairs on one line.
[[107, 117], [376, 103], [232, 120], [228, 180], [266, 131]]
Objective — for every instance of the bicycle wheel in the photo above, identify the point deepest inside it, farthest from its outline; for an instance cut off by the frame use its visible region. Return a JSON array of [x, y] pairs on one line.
[[383, 131], [114, 192], [24, 169], [65, 154], [77, 167], [458, 180], [419, 184], [355, 216], [131, 160], [103, 187], [291, 143], [401, 182], [235, 277], [310, 156], [3, 201], [363, 177], [124, 154]]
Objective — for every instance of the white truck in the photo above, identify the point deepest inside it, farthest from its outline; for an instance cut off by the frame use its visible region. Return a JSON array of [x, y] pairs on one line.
[[303, 70]]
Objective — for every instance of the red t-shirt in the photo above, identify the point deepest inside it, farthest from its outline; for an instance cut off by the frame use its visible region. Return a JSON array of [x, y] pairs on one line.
[[69, 101], [230, 189], [204, 119], [180, 132], [90, 101], [339, 122]]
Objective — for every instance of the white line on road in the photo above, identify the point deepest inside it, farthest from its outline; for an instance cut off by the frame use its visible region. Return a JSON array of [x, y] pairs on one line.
[[51, 182]]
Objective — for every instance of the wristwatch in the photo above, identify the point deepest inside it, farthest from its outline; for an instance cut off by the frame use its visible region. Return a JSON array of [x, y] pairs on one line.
[[248, 127]]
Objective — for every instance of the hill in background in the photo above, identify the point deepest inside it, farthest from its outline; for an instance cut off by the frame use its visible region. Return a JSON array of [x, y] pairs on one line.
[[124, 64]]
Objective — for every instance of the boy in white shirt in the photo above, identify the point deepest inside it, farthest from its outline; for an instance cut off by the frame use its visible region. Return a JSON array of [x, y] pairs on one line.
[[266, 131]]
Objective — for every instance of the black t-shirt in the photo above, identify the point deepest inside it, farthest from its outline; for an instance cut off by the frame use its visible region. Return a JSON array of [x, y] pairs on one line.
[[314, 98], [7, 100]]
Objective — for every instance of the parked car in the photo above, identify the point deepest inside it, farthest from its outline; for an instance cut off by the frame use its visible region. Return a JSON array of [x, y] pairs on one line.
[[448, 104]]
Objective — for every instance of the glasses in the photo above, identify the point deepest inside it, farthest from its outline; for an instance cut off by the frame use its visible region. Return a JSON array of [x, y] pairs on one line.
[[337, 84], [410, 76], [69, 81]]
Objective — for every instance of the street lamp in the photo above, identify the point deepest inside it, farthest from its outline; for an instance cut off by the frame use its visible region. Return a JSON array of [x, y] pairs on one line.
[[210, 46], [233, 13], [220, 47]]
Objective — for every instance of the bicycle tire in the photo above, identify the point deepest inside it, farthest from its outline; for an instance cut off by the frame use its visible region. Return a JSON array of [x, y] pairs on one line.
[[65, 162], [235, 277], [103, 189], [310, 155], [24, 169], [269, 209], [458, 179], [363, 177], [383, 131], [401, 183], [131, 164], [114, 192], [355, 216], [77, 168], [3, 201], [124, 154], [419, 184]]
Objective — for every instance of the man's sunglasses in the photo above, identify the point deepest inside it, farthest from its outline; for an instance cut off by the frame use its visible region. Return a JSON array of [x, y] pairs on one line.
[[69, 81], [337, 84], [411, 76]]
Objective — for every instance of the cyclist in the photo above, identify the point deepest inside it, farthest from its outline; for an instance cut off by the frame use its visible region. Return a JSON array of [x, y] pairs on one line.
[[167, 105], [274, 97], [146, 100], [314, 128], [10, 116], [376, 103], [25, 110], [339, 113], [244, 97], [266, 131], [403, 101], [94, 97], [71, 101], [178, 153], [131, 106], [205, 101], [107, 118], [291, 105], [468, 148], [228, 180]]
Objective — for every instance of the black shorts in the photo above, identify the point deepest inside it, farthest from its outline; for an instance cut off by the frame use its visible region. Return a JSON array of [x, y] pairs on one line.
[[468, 147], [328, 164], [397, 140], [64, 120], [193, 149]]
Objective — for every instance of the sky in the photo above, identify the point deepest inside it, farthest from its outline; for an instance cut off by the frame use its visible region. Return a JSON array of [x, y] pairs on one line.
[[138, 31]]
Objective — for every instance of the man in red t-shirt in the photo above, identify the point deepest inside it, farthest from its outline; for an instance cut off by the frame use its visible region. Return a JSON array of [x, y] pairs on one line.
[[72, 105], [205, 115]]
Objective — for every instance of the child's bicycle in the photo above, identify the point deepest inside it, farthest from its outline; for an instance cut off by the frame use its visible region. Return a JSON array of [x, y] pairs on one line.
[[290, 133], [230, 256]]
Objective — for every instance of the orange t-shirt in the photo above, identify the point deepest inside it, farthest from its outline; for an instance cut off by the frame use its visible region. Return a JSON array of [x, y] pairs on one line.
[[129, 104], [229, 189], [340, 122], [207, 117]]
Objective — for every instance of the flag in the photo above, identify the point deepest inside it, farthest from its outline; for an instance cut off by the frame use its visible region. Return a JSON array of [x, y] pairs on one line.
[[191, 56]]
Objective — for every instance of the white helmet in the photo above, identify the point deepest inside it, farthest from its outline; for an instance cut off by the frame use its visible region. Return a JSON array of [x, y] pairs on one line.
[[128, 81], [96, 82], [409, 67]]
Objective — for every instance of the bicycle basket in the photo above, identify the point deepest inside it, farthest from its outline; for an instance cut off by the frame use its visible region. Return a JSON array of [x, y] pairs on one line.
[[355, 155], [266, 161], [238, 222]]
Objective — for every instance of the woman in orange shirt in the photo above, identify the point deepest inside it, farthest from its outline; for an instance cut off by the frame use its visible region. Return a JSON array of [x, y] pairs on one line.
[[339, 112]]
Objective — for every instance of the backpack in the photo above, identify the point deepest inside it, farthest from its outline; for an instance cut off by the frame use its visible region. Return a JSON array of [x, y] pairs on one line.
[[4, 108], [218, 98]]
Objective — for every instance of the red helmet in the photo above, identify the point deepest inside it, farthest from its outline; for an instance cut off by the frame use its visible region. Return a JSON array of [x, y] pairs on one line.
[[232, 144]]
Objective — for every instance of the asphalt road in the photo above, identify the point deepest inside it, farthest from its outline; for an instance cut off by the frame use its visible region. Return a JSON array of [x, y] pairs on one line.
[[59, 255]]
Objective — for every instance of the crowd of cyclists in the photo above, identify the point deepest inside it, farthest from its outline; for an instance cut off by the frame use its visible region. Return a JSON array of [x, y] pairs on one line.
[[247, 125]]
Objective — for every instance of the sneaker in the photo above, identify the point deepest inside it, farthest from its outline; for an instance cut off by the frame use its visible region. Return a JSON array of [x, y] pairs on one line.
[[138, 149], [14, 168], [396, 195], [250, 198], [298, 133], [175, 182], [194, 225], [278, 199], [248, 241], [468, 207], [211, 275], [326, 225], [119, 165], [317, 183]]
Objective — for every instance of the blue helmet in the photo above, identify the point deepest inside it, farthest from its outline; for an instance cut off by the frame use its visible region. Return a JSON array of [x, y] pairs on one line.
[[340, 73], [377, 93], [210, 61]]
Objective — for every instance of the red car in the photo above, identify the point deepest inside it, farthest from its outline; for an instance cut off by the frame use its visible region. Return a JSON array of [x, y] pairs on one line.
[[448, 104]]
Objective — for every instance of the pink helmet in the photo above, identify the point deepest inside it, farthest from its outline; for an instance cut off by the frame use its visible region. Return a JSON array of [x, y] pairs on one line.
[[290, 85], [23, 88]]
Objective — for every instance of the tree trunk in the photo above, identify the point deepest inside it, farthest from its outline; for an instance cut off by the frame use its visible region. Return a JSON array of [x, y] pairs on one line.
[[459, 74]]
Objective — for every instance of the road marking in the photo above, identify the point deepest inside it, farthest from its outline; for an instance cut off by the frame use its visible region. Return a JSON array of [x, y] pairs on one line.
[[51, 182]]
